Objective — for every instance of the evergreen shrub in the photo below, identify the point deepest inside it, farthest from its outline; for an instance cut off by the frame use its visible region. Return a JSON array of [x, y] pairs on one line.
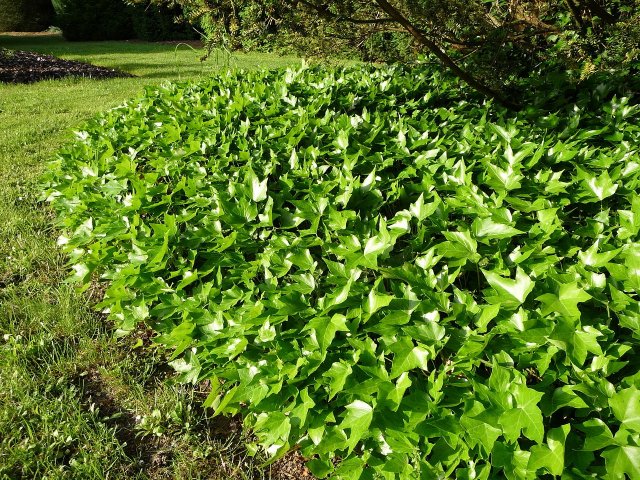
[[80, 20], [154, 23], [25, 15]]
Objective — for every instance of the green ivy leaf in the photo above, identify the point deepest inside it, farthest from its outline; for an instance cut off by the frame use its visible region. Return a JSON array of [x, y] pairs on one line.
[[597, 434], [320, 468], [342, 141], [258, 187], [408, 357], [337, 375], [550, 456], [511, 292], [272, 428], [621, 460], [357, 419], [376, 301], [486, 228], [592, 258], [601, 187], [324, 329], [480, 425], [625, 405], [565, 302], [525, 416], [420, 210]]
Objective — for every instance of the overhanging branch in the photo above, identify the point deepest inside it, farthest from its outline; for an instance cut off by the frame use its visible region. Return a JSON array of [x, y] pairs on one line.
[[420, 36], [323, 11]]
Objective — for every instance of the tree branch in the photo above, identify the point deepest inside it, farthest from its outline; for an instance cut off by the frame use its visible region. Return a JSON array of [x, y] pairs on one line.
[[395, 14], [575, 13], [325, 12], [599, 11]]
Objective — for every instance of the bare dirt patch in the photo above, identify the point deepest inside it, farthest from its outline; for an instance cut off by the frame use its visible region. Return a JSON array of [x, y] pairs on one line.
[[147, 450], [153, 454]]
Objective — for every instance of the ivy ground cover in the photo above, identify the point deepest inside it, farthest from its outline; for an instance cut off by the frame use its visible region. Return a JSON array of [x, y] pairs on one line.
[[396, 280]]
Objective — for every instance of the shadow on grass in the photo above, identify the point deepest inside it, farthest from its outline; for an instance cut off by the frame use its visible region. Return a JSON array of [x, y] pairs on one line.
[[176, 60], [56, 44]]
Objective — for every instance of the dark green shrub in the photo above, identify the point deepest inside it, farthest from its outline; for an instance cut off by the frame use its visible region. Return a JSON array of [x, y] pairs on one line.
[[95, 20], [25, 15], [153, 23], [395, 279]]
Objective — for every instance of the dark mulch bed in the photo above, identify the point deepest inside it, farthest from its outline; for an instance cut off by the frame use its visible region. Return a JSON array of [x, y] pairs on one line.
[[29, 67]]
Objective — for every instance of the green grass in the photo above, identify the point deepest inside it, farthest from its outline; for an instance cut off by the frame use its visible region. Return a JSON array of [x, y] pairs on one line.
[[74, 401], [146, 60]]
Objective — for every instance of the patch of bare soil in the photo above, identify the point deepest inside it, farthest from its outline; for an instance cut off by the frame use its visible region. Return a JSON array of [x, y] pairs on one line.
[[29, 67], [291, 467], [153, 454]]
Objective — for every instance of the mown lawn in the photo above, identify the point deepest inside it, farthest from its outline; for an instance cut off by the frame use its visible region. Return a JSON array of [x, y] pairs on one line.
[[161, 61], [74, 401]]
